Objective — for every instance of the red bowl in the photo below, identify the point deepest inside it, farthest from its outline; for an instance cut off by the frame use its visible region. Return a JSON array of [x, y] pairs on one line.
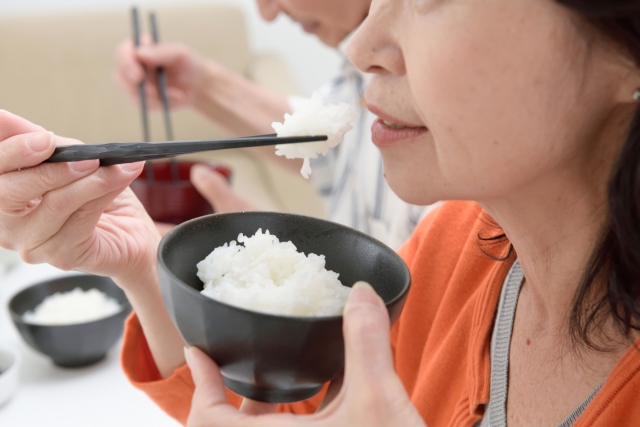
[[172, 201]]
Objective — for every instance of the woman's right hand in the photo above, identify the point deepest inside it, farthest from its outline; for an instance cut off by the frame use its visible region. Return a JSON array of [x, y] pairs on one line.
[[183, 67], [72, 215]]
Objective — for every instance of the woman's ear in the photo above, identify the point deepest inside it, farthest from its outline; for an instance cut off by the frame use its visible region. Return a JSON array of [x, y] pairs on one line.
[[628, 86]]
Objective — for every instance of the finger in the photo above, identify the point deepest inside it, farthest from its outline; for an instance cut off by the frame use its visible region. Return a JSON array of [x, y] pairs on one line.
[[129, 71], [332, 392], [58, 205], [164, 227], [29, 149], [251, 407], [25, 150], [215, 188], [162, 55], [366, 333], [207, 378], [146, 40], [11, 125], [209, 404], [19, 188], [177, 97]]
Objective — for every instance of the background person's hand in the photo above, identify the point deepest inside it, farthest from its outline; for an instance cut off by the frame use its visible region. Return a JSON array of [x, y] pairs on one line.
[[372, 394], [183, 67], [72, 215], [215, 188]]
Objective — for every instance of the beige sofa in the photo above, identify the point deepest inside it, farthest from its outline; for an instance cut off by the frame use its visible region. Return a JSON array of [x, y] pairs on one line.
[[57, 72]]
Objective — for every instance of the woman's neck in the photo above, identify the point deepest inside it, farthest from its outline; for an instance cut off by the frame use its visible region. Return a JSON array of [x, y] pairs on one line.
[[555, 224], [554, 234]]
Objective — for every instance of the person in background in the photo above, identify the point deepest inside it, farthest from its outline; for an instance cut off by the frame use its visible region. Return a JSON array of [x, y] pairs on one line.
[[350, 178]]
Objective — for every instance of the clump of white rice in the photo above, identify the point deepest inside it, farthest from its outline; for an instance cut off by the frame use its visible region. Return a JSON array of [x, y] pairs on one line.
[[76, 306], [314, 118], [271, 276]]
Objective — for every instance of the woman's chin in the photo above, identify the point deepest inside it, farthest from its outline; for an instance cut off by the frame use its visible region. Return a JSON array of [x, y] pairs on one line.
[[411, 191]]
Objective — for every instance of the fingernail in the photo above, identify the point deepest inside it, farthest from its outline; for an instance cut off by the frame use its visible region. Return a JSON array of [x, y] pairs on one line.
[[131, 167], [39, 142], [83, 166], [363, 293]]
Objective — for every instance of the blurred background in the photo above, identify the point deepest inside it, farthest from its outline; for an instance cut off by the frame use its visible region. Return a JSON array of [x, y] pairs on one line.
[[56, 63], [58, 57], [310, 61]]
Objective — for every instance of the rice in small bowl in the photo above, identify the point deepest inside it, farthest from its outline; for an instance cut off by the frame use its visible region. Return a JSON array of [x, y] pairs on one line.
[[74, 339], [263, 356]]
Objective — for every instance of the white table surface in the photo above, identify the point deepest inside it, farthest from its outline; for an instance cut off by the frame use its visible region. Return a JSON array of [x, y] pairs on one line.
[[93, 396]]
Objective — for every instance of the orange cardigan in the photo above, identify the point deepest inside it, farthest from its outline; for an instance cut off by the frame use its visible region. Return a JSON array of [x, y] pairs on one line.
[[440, 343]]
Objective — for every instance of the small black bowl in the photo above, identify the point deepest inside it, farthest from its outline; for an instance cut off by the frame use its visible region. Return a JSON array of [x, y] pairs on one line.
[[74, 345], [262, 356]]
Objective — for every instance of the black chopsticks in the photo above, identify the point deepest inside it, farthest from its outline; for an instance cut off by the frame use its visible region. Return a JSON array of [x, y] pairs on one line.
[[162, 88], [162, 81], [135, 23], [128, 152]]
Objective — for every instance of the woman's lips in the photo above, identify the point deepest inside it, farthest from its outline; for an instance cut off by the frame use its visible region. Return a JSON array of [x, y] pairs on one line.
[[387, 134]]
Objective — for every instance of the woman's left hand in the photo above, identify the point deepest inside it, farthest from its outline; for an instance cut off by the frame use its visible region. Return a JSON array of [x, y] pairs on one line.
[[371, 394]]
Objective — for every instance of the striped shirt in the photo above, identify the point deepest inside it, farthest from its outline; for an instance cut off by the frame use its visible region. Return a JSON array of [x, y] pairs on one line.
[[351, 176]]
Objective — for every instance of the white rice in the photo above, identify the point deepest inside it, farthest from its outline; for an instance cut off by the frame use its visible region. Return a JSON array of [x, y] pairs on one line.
[[314, 118], [76, 306], [271, 276]]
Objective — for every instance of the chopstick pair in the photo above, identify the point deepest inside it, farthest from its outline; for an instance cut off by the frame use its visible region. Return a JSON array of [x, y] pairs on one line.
[[118, 153], [128, 152], [162, 89]]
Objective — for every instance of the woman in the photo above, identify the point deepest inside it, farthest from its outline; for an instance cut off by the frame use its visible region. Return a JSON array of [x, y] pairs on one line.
[[531, 109]]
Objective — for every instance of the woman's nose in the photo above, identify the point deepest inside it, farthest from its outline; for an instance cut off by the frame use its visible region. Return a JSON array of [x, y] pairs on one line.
[[269, 9], [374, 49]]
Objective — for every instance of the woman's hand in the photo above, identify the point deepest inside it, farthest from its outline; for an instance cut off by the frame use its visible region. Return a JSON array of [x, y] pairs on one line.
[[371, 395], [72, 215], [183, 67]]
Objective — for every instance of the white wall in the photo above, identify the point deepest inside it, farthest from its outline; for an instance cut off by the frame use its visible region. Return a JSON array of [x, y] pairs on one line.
[[311, 61]]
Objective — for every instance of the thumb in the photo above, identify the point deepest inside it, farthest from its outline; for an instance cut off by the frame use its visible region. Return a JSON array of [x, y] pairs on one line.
[[206, 376], [366, 333], [216, 190]]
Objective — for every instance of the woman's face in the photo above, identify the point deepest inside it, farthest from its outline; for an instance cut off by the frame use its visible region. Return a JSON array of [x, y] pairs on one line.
[[495, 94], [330, 20]]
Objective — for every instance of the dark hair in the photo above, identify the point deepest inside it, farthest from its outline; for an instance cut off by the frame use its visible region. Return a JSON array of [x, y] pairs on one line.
[[610, 287], [615, 262]]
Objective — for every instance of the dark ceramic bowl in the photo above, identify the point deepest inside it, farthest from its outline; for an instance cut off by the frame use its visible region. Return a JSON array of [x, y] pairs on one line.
[[73, 345], [172, 201], [262, 356]]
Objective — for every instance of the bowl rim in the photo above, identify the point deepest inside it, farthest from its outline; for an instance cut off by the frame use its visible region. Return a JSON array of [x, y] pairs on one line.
[[17, 318], [310, 319], [15, 366]]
